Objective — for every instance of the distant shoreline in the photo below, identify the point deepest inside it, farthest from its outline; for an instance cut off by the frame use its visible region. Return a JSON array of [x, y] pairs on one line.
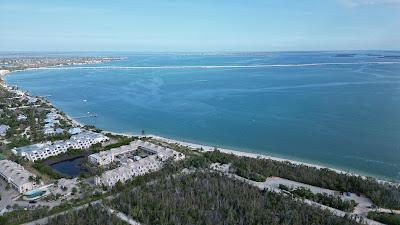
[[224, 150]]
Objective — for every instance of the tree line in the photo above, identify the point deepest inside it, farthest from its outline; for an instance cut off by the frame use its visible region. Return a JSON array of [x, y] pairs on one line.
[[210, 198], [382, 194], [91, 215]]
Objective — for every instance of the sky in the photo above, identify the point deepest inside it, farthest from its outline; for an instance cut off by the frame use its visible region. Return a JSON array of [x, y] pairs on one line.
[[199, 25]]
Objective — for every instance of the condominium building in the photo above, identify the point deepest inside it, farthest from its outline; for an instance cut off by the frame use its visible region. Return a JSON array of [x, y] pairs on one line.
[[3, 129], [158, 155], [107, 157], [44, 150], [128, 171], [16, 176]]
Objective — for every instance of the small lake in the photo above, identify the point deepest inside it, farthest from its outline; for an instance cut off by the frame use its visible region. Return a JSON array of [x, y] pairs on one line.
[[69, 167]]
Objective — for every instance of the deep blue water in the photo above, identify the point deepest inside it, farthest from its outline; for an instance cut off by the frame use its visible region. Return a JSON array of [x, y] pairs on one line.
[[341, 115], [69, 167]]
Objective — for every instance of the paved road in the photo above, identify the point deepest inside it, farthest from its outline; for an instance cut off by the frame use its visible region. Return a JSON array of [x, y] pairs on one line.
[[388, 211], [363, 203]]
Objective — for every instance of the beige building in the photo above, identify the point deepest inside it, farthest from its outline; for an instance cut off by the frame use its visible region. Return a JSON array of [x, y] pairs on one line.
[[16, 176], [127, 171], [107, 157], [40, 151]]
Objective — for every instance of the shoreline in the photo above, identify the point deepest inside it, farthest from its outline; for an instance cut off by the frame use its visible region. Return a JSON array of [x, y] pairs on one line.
[[239, 153], [207, 148]]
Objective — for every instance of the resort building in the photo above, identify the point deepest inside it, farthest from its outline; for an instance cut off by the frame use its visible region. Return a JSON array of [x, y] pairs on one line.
[[128, 171], [75, 130], [132, 168], [51, 121], [49, 130], [44, 150], [59, 131], [16, 176], [107, 157]]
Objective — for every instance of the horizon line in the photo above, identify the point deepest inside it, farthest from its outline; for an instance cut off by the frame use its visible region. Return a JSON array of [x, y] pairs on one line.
[[206, 51]]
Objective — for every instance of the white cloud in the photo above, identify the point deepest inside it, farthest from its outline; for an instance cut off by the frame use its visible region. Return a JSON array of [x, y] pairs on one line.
[[355, 3]]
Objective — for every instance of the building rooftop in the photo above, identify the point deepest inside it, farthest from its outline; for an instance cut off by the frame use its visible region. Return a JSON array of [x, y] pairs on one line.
[[32, 148], [75, 130], [21, 117], [3, 129], [52, 115], [15, 172], [134, 166], [75, 139], [59, 131], [86, 135]]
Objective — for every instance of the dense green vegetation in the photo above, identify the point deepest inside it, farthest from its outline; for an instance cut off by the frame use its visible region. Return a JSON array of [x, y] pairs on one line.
[[382, 194], [386, 218], [325, 199], [88, 216], [20, 215], [209, 198]]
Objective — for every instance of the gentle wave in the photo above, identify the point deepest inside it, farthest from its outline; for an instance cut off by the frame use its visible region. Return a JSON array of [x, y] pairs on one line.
[[215, 66]]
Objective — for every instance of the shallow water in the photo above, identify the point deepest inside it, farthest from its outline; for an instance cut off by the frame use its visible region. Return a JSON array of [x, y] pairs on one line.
[[344, 115]]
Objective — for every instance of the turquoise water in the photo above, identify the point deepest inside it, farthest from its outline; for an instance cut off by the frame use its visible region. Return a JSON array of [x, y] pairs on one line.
[[341, 115]]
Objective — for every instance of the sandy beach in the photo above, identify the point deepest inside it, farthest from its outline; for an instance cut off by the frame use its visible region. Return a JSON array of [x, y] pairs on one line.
[[245, 154], [207, 148]]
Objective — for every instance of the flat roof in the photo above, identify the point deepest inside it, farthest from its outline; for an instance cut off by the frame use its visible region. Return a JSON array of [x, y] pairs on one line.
[[15, 172]]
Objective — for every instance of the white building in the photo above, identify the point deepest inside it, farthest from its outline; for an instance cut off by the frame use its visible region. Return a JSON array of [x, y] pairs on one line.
[[45, 150], [107, 157], [49, 130], [132, 168], [51, 120], [52, 115], [3, 129], [75, 130], [21, 117], [17, 176], [128, 171], [32, 99]]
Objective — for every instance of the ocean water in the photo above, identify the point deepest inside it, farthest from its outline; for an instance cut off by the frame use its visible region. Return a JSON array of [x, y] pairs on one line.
[[336, 110]]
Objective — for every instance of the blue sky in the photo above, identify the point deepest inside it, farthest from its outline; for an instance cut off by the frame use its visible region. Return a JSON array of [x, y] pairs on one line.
[[199, 25]]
